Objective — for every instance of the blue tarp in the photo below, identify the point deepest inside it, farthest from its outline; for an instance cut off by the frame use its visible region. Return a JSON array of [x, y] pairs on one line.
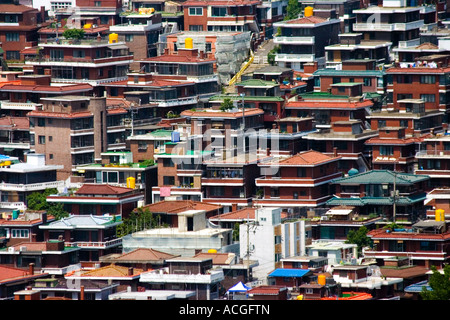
[[289, 273]]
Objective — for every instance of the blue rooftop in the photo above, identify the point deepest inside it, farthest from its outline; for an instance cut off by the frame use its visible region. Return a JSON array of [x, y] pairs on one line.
[[289, 273]]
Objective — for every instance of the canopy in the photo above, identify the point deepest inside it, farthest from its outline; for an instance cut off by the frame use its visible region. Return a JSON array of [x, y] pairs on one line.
[[239, 287]]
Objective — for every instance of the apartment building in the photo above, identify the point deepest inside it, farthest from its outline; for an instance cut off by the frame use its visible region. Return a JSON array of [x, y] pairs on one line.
[[301, 180], [89, 61], [140, 31], [79, 122], [18, 29], [303, 40]]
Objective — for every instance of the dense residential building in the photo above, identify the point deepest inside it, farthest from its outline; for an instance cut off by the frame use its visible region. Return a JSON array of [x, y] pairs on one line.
[[140, 32], [303, 40], [395, 196], [302, 180], [18, 30]]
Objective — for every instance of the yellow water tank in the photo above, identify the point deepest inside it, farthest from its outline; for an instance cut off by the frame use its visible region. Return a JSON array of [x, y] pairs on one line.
[[189, 43], [87, 26], [300, 297], [212, 251], [113, 38], [440, 215], [309, 11], [131, 182], [322, 279]]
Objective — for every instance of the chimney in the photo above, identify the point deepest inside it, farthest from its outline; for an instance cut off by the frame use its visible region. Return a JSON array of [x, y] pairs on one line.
[[166, 51], [130, 271], [31, 268], [234, 207], [335, 153], [82, 293], [202, 55], [33, 237]]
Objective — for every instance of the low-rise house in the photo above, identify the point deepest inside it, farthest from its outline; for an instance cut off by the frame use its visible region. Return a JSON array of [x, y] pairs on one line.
[[19, 227], [123, 276], [99, 199], [389, 194], [153, 295], [335, 251], [93, 236], [315, 264], [186, 273], [268, 292], [356, 278], [291, 277], [20, 179], [141, 258], [189, 237], [51, 257], [424, 244], [84, 289], [14, 279]]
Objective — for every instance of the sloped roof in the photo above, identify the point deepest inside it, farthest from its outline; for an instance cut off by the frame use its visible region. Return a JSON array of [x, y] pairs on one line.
[[111, 271], [289, 273], [102, 189], [306, 158], [241, 214], [144, 254], [10, 274], [180, 206], [78, 221], [218, 258], [382, 176], [307, 20]]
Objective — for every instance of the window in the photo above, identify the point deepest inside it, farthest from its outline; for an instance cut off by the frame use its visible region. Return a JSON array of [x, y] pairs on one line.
[[386, 150], [142, 146], [20, 233], [367, 82], [12, 36], [78, 54], [12, 55], [167, 162], [41, 139], [219, 11], [274, 193], [217, 191], [428, 97], [50, 138], [196, 27], [381, 124], [129, 37], [427, 79], [41, 122], [97, 3], [195, 11], [208, 47], [168, 180]]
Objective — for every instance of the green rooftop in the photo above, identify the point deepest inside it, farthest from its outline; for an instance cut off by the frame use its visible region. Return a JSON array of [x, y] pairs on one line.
[[256, 83], [382, 177], [237, 97]]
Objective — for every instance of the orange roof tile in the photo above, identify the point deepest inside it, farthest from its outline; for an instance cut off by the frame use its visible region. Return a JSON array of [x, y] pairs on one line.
[[144, 254], [218, 258], [242, 214], [305, 158], [180, 206], [111, 271], [61, 115], [10, 274], [102, 189], [307, 20]]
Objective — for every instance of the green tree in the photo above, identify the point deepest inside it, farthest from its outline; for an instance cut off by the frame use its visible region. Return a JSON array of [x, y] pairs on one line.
[[38, 201], [440, 285], [360, 238], [139, 219], [292, 10], [76, 34], [227, 104]]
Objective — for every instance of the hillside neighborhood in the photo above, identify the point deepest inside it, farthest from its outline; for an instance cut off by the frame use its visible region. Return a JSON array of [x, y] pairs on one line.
[[234, 150]]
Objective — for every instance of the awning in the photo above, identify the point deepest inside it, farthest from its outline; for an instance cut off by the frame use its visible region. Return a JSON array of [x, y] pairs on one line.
[[118, 47]]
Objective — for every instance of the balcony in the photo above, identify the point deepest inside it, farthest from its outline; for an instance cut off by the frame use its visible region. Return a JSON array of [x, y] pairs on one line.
[[92, 82], [159, 277], [95, 245], [135, 27], [294, 181], [175, 102], [293, 57], [26, 106], [30, 187], [81, 62], [25, 145], [439, 154], [294, 40], [364, 26]]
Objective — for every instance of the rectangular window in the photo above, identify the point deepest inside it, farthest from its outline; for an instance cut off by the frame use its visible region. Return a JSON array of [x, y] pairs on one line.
[[367, 82], [79, 53], [219, 11], [41, 139], [196, 11], [167, 162], [129, 37], [20, 233], [12, 36], [12, 55], [428, 97], [386, 150], [168, 180], [196, 27], [427, 79]]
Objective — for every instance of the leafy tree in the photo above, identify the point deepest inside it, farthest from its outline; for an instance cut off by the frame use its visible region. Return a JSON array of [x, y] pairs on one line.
[[236, 232], [292, 10], [76, 34], [139, 219], [360, 238], [227, 104], [38, 201], [440, 285]]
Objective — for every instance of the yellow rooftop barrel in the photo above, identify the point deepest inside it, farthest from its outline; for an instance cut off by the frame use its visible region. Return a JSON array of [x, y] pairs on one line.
[[440, 215], [113, 38], [309, 11], [131, 182]]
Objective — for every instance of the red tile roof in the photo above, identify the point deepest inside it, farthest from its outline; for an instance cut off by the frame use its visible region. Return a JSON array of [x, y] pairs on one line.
[[180, 206], [144, 254], [382, 234], [307, 20], [267, 290], [47, 89], [222, 114], [9, 274], [388, 141], [306, 158], [15, 123], [61, 115], [111, 271], [178, 58], [220, 2], [241, 214], [218, 258], [102, 189], [418, 70], [7, 8]]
